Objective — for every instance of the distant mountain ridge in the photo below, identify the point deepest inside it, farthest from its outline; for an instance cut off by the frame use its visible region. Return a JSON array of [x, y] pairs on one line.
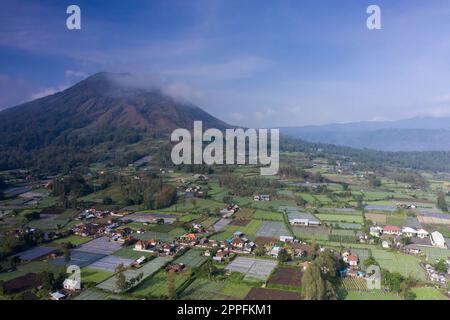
[[416, 134]]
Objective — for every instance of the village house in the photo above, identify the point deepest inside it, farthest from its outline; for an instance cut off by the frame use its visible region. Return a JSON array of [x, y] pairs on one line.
[[169, 249], [409, 232], [57, 296], [421, 233], [286, 238], [189, 238], [228, 211], [300, 249], [352, 260], [262, 197], [86, 230], [146, 246], [139, 262], [412, 249], [275, 251], [392, 230], [179, 267], [349, 258], [375, 231], [220, 255]]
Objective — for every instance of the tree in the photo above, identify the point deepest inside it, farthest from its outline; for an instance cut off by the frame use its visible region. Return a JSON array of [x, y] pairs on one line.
[[210, 268], [374, 181], [48, 280], [409, 295], [441, 202], [121, 280], [171, 291], [313, 253], [66, 252], [260, 251], [359, 201], [441, 266], [283, 256], [2, 288], [370, 261], [313, 283], [328, 264], [394, 281], [107, 200]]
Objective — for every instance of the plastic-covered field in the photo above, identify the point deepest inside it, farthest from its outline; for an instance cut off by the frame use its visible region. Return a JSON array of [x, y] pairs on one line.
[[147, 270], [109, 263], [256, 269], [272, 229], [222, 223], [79, 258], [36, 253], [100, 245]]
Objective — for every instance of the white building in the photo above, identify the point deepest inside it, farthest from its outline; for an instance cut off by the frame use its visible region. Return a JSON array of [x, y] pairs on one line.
[[422, 233], [286, 238], [437, 240], [57, 295], [409, 232], [375, 231]]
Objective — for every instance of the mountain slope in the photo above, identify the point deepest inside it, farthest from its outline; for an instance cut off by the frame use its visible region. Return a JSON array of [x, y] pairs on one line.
[[104, 108], [417, 134]]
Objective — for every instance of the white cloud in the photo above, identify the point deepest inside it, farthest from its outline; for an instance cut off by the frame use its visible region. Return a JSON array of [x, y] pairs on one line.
[[47, 91], [75, 74], [438, 112], [237, 116], [235, 68], [263, 114], [295, 110]]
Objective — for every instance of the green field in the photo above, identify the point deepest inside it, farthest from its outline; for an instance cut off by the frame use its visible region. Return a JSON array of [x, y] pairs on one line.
[[404, 264], [210, 221], [312, 233], [115, 193], [193, 258], [249, 230], [129, 253], [396, 220], [340, 217], [31, 267], [432, 254], [429, 294], [94, 275], [371, 295], [204, 289], [343, 232], [156, 285], [73, 239], [189, 217], [268, 215]]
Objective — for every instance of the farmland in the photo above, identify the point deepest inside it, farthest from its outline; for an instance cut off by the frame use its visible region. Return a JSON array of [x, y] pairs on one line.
[[340, 217], [286, 276], [156, 285], [187, 234], [271, 294], [193, 258], [397, 262]]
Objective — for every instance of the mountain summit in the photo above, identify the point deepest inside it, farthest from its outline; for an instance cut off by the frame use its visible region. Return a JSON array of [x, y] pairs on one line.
[[105, 107]]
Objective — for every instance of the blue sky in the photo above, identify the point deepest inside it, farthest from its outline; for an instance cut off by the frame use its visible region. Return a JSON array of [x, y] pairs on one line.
[[248, 62]]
